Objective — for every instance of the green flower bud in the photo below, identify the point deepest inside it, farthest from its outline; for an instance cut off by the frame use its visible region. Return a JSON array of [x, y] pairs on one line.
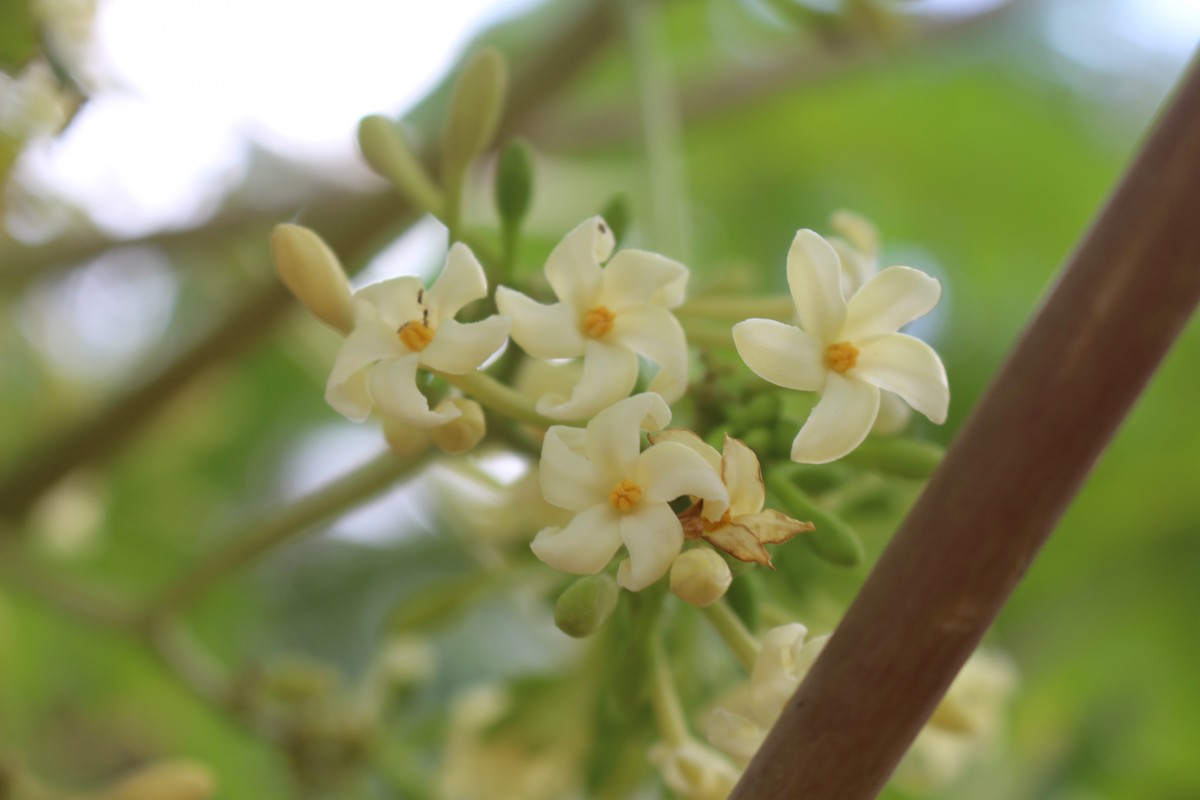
[[833, 540], [585, 605], [462, 433], [389, 154], [514, 183], [475, 109], [616, 214], [314, 275], [901, 458], [700, 577]]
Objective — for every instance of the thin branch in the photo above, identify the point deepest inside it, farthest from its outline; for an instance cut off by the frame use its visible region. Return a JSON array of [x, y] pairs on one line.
[[1124, 297]]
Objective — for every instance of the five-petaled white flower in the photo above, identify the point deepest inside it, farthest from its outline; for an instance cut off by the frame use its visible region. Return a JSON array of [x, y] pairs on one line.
[[608, 315], [744, 527], [846, 350], [619, 494], [400, 326]]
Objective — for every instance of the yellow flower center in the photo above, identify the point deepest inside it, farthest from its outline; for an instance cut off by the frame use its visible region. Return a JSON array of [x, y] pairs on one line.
[[415, 335], [625, 496], [841, 356], [597, 322]]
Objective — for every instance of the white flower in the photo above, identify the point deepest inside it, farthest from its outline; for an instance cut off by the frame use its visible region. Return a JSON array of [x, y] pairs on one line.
[[619, 494], [744, 527], [693, 771], [784, 660], [400, 326], [607, 315], [846, 350]]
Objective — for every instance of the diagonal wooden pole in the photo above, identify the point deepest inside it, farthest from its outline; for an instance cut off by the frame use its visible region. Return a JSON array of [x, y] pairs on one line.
[[1114, 312]]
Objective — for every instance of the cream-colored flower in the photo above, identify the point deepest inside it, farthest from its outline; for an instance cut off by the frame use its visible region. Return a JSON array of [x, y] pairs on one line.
[[693, 771], [784, 660], [744, 527], [846, 350], [608, 315], [619, 494], [400, 327]]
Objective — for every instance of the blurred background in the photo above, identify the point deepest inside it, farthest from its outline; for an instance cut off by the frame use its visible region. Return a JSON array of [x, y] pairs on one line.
[[149, 146]]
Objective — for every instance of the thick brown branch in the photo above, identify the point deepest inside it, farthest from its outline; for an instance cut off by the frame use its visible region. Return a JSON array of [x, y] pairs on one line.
[[1073, 376]]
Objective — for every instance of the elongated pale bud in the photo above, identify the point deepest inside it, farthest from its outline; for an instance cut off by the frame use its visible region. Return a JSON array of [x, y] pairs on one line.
[[389, 154], [314, 275], [464, 431], [700, 577], [475, 109], [585, 605], [166, 780], [406, 441], [514, 183]]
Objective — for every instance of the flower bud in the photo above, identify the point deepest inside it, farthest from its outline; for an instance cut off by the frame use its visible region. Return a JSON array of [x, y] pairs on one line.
[[474, 112], [514, 183], [616, 214], [314, 275], [387, 151], [462, 433], [585, 605], [406, 441], [902, 458], [700, 576], [166, 780], [833, 539]]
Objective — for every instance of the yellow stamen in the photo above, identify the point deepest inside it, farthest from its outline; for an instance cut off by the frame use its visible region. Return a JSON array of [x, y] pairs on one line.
[[415, 335], [597, 322], [841, 356], [625, 496]]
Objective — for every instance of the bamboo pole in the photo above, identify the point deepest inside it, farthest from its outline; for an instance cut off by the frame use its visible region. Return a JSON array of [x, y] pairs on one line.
[[1123, 298]]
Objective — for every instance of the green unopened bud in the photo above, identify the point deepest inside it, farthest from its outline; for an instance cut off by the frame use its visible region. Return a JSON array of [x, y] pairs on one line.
[[166, 780], [585, 605], [833, 540], [389, 154], [464, 431], [902, 458], [514, 183], [314, 275], [700, 577], [616, 214], [475, 109]]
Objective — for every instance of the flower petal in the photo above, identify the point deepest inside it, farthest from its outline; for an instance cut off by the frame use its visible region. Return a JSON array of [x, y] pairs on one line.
[[894, 414], [907, 366], [734, 734], [653, 537], [740, 542], [889, 301], [692, 441], [815, 278], [462, 281], [393, 302], [568, 479], [637, 277], [781, 354], [614, 436], [841, 420], [655, 333], [350, 398], [573, 267], [542, 331], [585, 546], [393, 388], [668, 470], [609, 374], [772, 527], [460, 347], [742, 475], [370, 341]]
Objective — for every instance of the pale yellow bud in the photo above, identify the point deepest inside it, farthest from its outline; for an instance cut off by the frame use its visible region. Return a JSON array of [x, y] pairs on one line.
[[166, 780], [475, 109], [406, 441], [314, 275], [700, 576], [464, 431]]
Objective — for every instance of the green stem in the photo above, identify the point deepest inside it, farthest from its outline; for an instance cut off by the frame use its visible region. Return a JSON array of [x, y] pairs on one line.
[[260, 536], [740, 641], [668, 711], [498, 397], [739, 308]]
